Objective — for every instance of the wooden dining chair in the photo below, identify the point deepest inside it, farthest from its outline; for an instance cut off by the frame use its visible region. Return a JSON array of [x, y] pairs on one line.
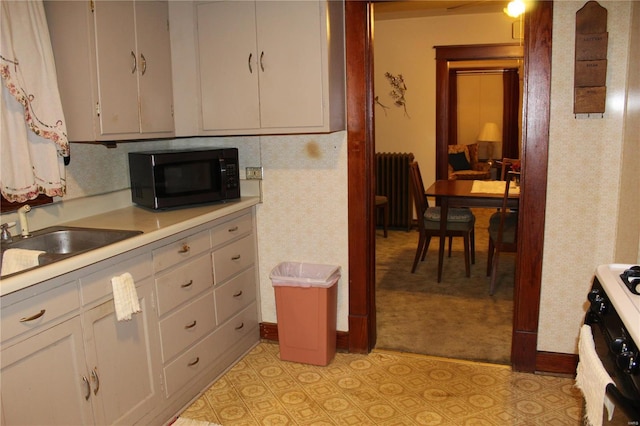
[[503, 229], [460, 222], [382, 203], [506, 166]]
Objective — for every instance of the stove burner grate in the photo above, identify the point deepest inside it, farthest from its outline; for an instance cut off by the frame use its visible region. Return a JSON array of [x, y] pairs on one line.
[[631, 278]]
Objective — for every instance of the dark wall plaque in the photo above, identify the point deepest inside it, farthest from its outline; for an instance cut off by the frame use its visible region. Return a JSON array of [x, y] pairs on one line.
[[590, 74]]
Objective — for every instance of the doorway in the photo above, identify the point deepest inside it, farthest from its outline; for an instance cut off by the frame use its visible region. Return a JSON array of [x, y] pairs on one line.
[[362, 318]]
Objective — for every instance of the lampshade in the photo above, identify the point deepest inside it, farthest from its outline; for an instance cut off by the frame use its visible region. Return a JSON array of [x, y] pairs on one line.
[[490, 133]]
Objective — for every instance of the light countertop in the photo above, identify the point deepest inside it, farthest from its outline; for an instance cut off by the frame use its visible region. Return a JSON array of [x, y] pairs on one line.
[[155, 225]]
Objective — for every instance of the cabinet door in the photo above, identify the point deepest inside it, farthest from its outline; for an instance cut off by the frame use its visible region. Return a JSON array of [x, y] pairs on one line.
[[44, 379], [154, 66], [117, 66], [123, 360], [291, 70], [228, 65]]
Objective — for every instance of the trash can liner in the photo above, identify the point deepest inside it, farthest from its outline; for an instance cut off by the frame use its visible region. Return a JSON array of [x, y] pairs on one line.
[[298, 274]]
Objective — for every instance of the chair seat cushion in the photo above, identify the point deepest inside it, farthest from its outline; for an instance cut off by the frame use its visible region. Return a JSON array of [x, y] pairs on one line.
[[453, 215], [509, 229]]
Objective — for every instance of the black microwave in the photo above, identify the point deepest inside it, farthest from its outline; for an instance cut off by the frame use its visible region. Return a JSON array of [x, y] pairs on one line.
[[178, 178]]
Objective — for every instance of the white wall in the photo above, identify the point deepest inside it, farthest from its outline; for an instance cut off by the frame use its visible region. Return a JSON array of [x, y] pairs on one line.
[[405, 46]]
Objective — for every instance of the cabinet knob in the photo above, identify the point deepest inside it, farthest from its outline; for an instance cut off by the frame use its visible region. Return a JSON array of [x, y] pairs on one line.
[[184, 249]]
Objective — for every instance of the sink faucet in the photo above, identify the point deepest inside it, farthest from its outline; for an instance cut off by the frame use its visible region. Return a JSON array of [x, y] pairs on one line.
[[5, 235], [24, 224]]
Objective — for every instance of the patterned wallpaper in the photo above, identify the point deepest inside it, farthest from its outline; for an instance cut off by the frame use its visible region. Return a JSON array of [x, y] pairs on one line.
[[303, 215], [583, 179]]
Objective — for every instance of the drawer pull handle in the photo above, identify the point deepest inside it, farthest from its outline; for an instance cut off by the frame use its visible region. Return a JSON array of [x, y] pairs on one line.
[[187, 284], [250, 69], [240, 327], [188, 326], [96, 379], [135, 65], [33, 317], [238, 294], [194, 362], [86, 382], [234, 229], [236, 257], [185, 249], [143, 62]]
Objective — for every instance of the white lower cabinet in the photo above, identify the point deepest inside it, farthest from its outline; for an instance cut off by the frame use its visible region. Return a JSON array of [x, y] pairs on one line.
[[123, 361], [90, 369], [66, 359], [45, 380]]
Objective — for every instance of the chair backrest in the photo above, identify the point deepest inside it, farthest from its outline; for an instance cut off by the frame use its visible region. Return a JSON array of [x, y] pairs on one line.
[[506, 166], [417, 188], [509, 176]]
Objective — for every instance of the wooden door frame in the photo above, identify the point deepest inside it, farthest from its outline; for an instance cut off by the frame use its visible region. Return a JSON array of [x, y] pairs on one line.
[[360, 143], [444, 56]]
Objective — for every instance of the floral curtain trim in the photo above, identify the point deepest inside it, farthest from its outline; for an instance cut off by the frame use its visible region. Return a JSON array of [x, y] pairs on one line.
[[33, 137]]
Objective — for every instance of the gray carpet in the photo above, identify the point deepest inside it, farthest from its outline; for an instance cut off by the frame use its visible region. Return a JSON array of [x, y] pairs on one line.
[[455, 318]]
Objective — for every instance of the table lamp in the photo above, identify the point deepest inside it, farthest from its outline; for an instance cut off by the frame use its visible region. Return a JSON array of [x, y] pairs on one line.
[[490, 134]]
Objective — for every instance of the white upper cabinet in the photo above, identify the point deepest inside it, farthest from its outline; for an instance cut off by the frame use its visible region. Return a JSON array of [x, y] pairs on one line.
[[113, 61], [263, 67]]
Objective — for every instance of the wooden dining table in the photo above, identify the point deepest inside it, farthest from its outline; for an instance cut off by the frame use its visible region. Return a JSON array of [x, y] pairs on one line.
[[461, 193]]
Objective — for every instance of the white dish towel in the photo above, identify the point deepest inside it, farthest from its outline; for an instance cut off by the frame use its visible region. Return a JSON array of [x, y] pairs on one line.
[[592, 379], [15, 260], [125, 297]]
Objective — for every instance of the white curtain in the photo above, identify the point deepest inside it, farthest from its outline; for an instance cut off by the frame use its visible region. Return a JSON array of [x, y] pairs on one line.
[[33, 135]]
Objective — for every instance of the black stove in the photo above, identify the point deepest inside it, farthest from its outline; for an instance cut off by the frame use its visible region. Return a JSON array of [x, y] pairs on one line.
[[614, 317]]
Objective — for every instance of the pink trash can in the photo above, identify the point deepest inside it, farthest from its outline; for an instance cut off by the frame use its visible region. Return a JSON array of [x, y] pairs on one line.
[[306, 307]]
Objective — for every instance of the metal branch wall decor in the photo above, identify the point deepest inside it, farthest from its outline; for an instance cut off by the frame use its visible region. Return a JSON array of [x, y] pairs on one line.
[[398, 90]]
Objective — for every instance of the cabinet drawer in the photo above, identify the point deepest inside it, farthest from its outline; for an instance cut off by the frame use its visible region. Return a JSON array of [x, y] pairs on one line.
[[235, 294], [187, 325], [98, 285], [230, 230], [195, 361], [183, 283], [233, 258], [43, 308], [181, 250]]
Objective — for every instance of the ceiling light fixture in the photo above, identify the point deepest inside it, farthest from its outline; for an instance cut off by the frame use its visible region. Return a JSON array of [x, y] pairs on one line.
[[515, 8]]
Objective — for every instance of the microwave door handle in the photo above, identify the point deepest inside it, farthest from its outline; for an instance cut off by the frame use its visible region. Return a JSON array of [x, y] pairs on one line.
[[223, 178]]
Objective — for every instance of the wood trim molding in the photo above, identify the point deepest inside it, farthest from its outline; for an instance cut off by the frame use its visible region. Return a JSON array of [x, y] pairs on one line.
[[7, 206], [360, 147], [557, 363], [269, 331], [537, 87], [546, 362], [535, 129]]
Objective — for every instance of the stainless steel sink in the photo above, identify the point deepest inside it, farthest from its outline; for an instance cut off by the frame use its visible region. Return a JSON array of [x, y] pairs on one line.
[[61, 242]]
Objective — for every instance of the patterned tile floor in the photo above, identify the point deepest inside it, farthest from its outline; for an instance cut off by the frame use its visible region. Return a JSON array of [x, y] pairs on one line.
[[384, 388]]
